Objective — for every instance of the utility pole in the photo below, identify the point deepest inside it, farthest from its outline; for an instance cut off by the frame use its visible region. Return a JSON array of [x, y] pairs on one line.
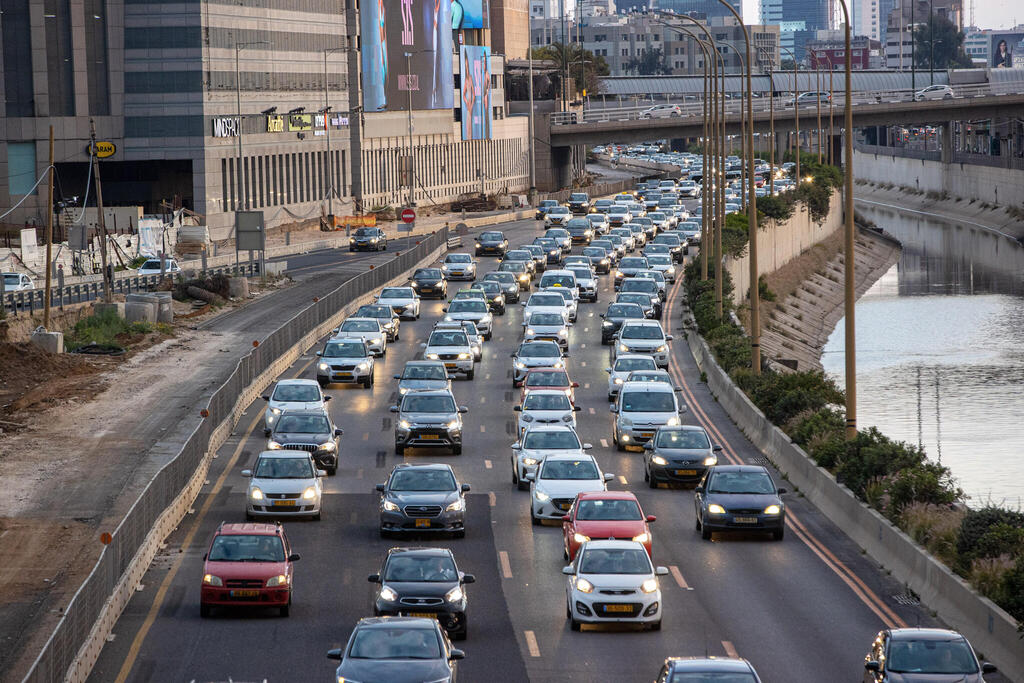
[[327, 132], [49, 242], [99, 211], [849, 265]]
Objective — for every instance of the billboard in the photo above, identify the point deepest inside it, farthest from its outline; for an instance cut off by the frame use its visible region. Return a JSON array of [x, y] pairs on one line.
[[407, 49], [1002, 49], [469, 14], [475, 67]]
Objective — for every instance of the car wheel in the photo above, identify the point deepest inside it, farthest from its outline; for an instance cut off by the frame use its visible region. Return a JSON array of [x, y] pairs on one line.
[[399, 450], [656, 626], [611, 398], [319, 515], [565, 554], [457, 450], [471, 374], [463, 634], [205, 611], [534, 520], [331, 471], [696, 523], [705, 532], [779, 534], [574, 625], [461, 533], [384, 533], [286, 609], [248, 517]]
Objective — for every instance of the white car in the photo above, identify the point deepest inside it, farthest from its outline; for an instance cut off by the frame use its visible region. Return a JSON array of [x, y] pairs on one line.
[[544, 302], [624, 364], [452, 348], [661, 111], [458, 266], [571, 299], [613, 581], [403, 301], [535, 354], [345, 361], [369, 330], [586, 281], [689, 189], [663, 264], [476, 340], [540, 441], [18, 282], [558, 215], [474, 310], [553, 487], [934, 92], [643, 337], [284, 483], [152, 267], [599, 223], [641, 408], [292, 394], [547, 326], [657, 276], [546, 407]]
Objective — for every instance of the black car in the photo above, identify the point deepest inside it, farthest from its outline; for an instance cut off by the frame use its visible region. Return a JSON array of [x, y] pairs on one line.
[[739, 498], [551, 248], [579, 202], [543, 208], [692, 669], [423, 582], [642, 285], [368, 239], [388, 320], [923, 655], [397, 650], [429, 283], [509, 284], [580, 230], [617, 314], [680, 454], [495, 295], [307, 430], [491, 242], [599, 259]]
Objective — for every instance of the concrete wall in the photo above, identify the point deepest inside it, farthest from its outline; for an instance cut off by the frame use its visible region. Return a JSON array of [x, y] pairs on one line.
[[990, 629], [985, 183], [780, 243]]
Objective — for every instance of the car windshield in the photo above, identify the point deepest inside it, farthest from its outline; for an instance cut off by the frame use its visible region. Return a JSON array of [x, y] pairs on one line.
[[422, 480], [506, 278], [246, 548], [582, 274], [14, 279], [648, 402], [598, 252], [489, 287], [518, 255], [548, 203], [547, 379], [373, 311], [395, 643], [560, 439], [615, 561], [459, 258], [559, 210], [303, 424], [535, 401], [446, 338], [424, 372], [468, 306], [642, 284], [627, 364], [344, 350], [931, 657], [284, 468], [403, 567], [683, 438], [360, 326], [427, 274], [396, 293], [569, 469], [428, 404], [711, 677], [608, 511], [624, 311], [490, 236], [546, 300], [546, 319], [303, 393], [539, 350], [642, 332], [512, 266], [740, 482], [577, 197], [658, 260], [633, 262]]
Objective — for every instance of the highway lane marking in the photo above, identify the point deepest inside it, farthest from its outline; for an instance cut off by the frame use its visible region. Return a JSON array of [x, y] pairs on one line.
[[622, 479], [583, 346], [501, 339], [488, 464], [366, 436], [531, 643], [487, 376], [730, 649], [586, 329], [491, 498], [583, 363], [506, 565], [586, 385], [483, 429], [847, 575], [483, 399], [592, 411], [359, 473], [604, 443], [678, 576]]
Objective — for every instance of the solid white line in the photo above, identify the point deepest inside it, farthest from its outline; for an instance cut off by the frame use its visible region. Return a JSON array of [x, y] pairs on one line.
[[604, 443], [487, 376], [586, 329], [506, 566], [586, 385], [483, 399], [678, 576], [531, 644], [583, 346], [730, 649], [583, 363], [488, 464]]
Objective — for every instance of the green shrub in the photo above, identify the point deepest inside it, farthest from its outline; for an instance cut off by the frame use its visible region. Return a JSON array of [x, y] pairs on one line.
[[935, 527], [873, 455], [927, 482], [778, 208], [734, 235], [1011, 594], [103, 329], [783, 396], [763, 291], [975, 539]]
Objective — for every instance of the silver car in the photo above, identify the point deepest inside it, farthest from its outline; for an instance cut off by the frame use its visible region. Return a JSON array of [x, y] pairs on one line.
[[452, 348], [284, 484], [345, 361], [474, 310], [402, 300], [535, 354], [547, 326], [457, 266], [641, 409], [428, 419], [643, 337], [628, 267], [476, 340], [626, 363], [369, 330], [293, 394], [546, 407], [557, 481], [586, 283], [423, 375], [539, 442], [422, 499]]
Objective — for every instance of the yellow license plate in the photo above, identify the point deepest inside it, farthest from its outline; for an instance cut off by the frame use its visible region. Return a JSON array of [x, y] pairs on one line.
[[428, 615], [426, 290], [284, 503], [745, 520], [450, 365], [564, 506], [424, 523], [433, 437], [244, 594], [343, 374], [686, 473], [647, 435], [618, 608]]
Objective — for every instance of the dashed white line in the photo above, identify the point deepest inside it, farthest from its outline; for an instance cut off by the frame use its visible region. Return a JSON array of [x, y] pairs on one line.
[[483, 429], [604, 443], [583, 363], [366, 436], [586, 329], [583, 346], [506, 566], [586, 385], [492, 499], [531, 644], [592, 411], [730, 649], [488, 464], [622, 479], [678, 576], [483, 399], [487, 376]]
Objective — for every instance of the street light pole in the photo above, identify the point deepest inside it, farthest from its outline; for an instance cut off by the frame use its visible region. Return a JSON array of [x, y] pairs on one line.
[[771, 124], [796, 111], [849, 269], [831, 107], [533, 152], [817, 98]]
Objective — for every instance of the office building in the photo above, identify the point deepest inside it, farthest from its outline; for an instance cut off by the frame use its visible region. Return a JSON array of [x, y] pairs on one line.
[[510, 27], [798, 21], [904, 16], [703, 9]]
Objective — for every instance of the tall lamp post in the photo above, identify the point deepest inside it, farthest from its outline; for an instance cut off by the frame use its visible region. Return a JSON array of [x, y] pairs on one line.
[[243, 197], [849, 269], [817, 99], [327, 131]]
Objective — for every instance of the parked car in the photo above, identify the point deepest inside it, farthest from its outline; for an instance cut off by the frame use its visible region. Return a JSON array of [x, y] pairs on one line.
[[19, 282]]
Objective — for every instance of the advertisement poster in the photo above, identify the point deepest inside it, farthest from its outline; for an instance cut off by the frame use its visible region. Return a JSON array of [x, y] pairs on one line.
[[1003, 47], [469, 14], [474, 64], [407, 48]]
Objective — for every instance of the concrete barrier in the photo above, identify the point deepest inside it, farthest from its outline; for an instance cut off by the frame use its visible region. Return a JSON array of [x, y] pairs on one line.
[[990, 629]]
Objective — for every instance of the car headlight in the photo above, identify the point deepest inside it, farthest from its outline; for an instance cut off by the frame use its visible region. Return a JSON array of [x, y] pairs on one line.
[[388, 594], [584, 586], [772, 510], [623, 348], [524, 276], [256, 493], [351, 240], [279, 580], [448, 319], [445, 267], [432, 356], [649, 586], [439, 283], [563, 333], [376, 340], [553, 252], [363, 367], [541, 496], [389, 506], [454, 424], [530, 462], [568, 417], [404, 424], [673, 422], [605, 262], [618, 380], [275, 411], [273, 445], [527, 418], [454, 595], [559, 364], [211, 580], [309, 493], [463, 356], [643, 538], [324, 367], [520, 365], [329, 446], [529, 331], [607, 324], [658, 460], [580, 538], [618, 274], [711, 460], [477, 245], [373, 241], [662, 349], [716, 509], [458, 505]]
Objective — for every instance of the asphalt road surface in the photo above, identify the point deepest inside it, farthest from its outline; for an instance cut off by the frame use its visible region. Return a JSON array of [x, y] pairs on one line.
[[804, 609]]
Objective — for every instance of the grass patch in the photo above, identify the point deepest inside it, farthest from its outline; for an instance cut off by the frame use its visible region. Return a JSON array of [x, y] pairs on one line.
[[107, 329]]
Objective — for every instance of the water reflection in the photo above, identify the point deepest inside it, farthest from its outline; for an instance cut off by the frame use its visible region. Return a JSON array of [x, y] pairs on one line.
[[940, 350]]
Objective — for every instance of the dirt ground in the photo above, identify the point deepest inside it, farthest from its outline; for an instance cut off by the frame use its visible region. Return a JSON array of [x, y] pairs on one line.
[[789, 277]]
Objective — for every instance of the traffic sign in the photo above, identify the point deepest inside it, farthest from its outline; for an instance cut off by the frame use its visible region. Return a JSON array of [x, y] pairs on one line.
[[408, 215]]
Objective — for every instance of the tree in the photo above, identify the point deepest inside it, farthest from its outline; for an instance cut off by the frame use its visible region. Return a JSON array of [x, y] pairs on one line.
[[649, 63], [568, 57], [942, 35], [787, 65]]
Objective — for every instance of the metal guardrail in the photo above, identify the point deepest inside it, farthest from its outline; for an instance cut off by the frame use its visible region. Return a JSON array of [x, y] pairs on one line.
[[33, 299], [85, 607]]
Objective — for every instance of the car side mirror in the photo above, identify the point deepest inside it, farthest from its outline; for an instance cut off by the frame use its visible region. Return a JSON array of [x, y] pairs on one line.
[[872, 666], [327, 398], [397, 376], [444, 310], [530, 476], [648, 446], [266, 433], [576, 409], [517, 409], [988, 668], [516, 446], [319, 353], [661, 571], [265, 398], [698, 489], [609, 476], [373, 578], [468, 578], [782, 490], [465, 488], [246, 473], [566, 518], [204, 557], [334, 654], [678, 389], [393, 409], [463, 409], [612, 408], [717, 448], [668, 337], [294, 557], [456, 654], [607, 369], [567, 571], [423, 345], [575, 385], [339, 432], [587, 446], [379, 487]]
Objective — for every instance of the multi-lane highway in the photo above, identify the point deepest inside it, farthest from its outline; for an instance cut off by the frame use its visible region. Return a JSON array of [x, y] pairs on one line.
[[804, 609]]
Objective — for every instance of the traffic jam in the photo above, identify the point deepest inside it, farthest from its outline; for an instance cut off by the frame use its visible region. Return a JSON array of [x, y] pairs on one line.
[[631, 248]]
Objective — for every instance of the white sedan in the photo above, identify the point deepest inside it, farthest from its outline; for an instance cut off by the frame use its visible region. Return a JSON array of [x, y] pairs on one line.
[[546, 407], [613, 582], [152, 267], [553, 487], [368, 329], [402, 300], [624, 364]]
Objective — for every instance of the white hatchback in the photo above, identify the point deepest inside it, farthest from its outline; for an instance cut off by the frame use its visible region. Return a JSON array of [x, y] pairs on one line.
[[284, 483], [293, 394], [557, 481], [624, 364], [613, 581], [403, 301], [546, 407]]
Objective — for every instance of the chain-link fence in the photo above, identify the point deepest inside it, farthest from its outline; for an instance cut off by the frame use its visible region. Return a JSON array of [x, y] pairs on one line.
[[86, 606]]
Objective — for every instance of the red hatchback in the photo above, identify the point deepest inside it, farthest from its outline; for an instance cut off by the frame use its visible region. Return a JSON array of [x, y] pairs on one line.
[[605, 515], [548, 378], [248, 565]]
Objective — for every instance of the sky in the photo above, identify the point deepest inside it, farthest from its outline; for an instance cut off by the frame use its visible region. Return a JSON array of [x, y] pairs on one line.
[[987, 13]]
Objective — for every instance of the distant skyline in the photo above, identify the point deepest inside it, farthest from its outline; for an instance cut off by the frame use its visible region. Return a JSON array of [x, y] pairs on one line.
[[987, 13]]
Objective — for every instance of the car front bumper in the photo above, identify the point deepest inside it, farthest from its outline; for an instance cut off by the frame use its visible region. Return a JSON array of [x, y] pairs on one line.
[[217, 596], [283, 507], [741, 521], [553, 508], [460, 274], [346, 376], [675, 472], [660, 358], [446, 521], [597, 608], [428, 437], [451, 619], [434, 291]]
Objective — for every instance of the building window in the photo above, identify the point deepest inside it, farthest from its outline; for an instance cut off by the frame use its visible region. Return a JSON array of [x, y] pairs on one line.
[[21, 168], [59, 58], [96, 57], [17, 56]]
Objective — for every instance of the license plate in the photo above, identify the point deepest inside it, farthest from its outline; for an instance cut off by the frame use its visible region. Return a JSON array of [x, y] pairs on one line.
[[428, 615], [426, 290], [423, 523], [244, 594], [745, 520], [343, 374], [450, 365], [647, 435], [432, 437], [618, 608], [563, 506], [686, 473], [284, 503]]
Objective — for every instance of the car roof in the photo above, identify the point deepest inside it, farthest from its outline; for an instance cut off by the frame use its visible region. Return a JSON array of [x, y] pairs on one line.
[[427, 624], [285, 453], [547, 392], [296, 382], [740, 468], [421, 362], [249, 528], [551, 428], [356, 318], [683, 428], [925, 634], [421, 551], [434, 392], [641, 322], [570, 457], [714, 664], [615, 544], [422, 466], [647, 387], [541, 370], [606, 495], [314, 411]]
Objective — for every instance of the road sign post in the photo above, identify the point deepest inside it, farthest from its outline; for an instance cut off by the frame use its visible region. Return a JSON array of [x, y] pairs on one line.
[[408, 216]]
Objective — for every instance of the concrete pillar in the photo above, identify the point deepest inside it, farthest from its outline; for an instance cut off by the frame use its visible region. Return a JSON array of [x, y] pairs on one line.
[[946, 142]]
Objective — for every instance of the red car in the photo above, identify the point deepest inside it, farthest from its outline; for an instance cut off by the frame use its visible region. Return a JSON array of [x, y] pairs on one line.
[[605, 515], [248, 565], [548, 378]]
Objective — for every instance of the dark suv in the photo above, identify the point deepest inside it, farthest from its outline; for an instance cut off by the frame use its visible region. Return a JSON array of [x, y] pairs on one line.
[[491, 242], [307, 430], [368, 239], [423, 498]]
